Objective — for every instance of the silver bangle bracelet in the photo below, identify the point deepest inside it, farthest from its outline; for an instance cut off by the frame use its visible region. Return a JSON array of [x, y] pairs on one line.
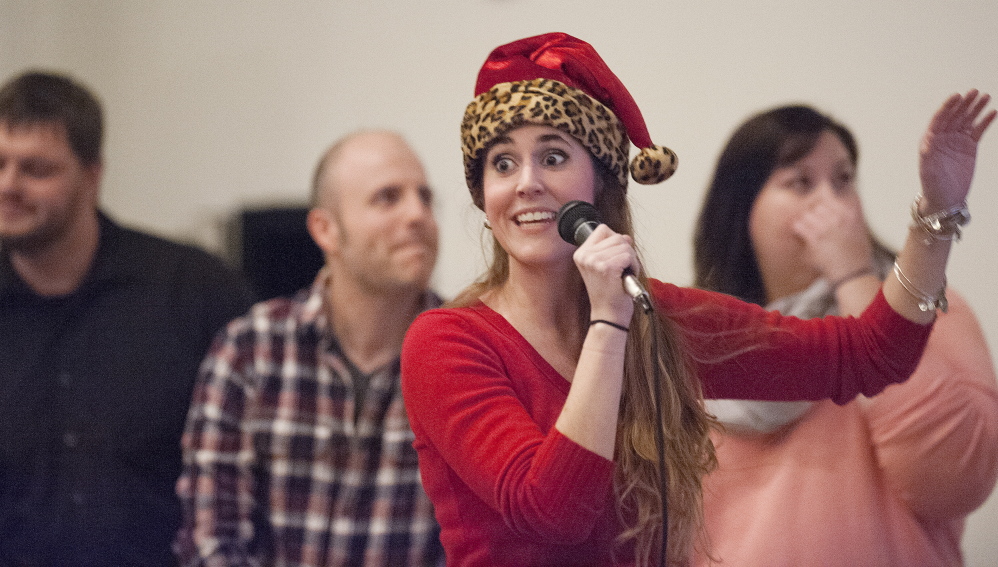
[[940, 225], [926, 302]]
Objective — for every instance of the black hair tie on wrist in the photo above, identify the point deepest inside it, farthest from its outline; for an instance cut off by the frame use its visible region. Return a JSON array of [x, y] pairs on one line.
[[611, 323]]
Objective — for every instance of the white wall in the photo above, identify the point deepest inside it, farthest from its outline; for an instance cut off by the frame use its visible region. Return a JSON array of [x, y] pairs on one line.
[[215, 104]]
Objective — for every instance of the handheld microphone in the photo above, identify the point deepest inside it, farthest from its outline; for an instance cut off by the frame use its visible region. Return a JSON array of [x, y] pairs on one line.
[[576, 221]]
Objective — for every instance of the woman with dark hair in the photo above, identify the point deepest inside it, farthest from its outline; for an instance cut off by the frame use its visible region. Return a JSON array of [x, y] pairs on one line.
[[555, 423], [725, 259], [882, 481]]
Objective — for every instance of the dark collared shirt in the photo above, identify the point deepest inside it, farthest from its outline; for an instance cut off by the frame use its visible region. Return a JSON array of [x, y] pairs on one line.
[[282, 466], [94, 388]]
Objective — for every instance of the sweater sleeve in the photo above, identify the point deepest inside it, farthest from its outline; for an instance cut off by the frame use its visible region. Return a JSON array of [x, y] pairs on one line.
[[936, 436], [745, 352], [484, 406]]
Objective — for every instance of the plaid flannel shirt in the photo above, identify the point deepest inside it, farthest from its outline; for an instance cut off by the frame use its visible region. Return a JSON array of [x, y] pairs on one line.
[[281, 469]]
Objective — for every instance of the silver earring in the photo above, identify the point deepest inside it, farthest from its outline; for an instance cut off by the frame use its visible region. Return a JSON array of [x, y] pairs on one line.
[[487, 225]]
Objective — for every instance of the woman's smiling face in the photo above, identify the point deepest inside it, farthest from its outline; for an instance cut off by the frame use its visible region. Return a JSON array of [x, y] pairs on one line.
[[528, 175]]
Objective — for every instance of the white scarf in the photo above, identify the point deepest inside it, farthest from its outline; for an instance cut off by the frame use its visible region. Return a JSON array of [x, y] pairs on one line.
[[753, 416]]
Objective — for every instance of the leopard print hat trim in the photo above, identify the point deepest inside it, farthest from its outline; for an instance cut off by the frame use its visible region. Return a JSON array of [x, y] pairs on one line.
[[552, 103]]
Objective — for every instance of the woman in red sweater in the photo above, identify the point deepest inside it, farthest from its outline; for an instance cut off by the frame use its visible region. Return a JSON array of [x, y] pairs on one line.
[[539, 398]]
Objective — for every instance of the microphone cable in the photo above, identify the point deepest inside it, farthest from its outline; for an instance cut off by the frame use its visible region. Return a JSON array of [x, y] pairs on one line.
[[659, 436]]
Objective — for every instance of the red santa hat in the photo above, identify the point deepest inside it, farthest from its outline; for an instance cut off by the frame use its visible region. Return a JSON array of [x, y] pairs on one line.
[[557, 80]]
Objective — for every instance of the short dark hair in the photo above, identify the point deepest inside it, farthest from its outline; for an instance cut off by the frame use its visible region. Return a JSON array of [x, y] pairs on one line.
[[723, 256], [37, 97]]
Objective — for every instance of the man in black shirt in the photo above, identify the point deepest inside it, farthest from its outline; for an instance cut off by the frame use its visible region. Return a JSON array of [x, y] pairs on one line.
[[102, 329]]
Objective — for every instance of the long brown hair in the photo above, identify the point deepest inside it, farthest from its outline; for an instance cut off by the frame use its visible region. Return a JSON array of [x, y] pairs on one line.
[[689, 453]]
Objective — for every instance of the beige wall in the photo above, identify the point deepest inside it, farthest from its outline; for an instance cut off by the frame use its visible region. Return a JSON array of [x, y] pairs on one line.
[[214, 104]]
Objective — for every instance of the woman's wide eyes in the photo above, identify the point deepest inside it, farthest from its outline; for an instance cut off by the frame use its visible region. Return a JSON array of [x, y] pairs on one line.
[[554, 158], [503, 164]]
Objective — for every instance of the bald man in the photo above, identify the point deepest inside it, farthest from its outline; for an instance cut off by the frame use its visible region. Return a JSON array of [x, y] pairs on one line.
[[297, 449]]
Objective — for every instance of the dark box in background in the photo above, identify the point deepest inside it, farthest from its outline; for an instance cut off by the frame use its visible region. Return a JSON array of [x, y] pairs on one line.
[[275, 251]]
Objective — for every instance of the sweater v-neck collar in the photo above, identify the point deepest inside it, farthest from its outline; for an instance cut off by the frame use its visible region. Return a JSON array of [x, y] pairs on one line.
[[506, 329]]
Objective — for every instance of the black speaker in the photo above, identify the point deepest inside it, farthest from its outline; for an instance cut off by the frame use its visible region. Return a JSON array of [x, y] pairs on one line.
[[275, 251]]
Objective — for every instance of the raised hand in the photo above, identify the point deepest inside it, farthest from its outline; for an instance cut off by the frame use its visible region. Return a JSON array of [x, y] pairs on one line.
[[948, 150]]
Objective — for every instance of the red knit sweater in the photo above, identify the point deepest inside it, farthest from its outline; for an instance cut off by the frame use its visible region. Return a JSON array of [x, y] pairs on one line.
[[509, 489]]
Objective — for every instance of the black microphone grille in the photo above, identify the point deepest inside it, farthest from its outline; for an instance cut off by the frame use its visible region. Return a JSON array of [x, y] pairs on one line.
[[571, 214]]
